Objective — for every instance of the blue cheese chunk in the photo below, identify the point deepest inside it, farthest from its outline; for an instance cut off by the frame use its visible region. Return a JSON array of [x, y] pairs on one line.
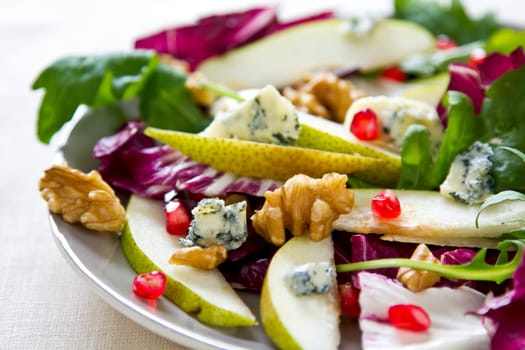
[[469, 179], [266, 116], [215, 223], [395, 115], [311, 278]]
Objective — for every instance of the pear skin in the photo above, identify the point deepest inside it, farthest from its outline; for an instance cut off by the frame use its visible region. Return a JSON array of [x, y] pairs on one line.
[[205, 293], [337, 46], [299, 322], [261, 160]]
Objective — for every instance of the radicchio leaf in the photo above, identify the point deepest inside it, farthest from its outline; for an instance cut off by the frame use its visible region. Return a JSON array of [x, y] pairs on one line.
[[131, 161], [474, 81], [214, 35], [497, 64], [503, 314]]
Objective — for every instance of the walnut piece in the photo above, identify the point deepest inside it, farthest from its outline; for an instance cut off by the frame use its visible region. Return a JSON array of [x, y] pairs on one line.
[[202, 96], [303, 204], [306, 102], [84, 198], [324, 95], [418, 280], [203, 258]]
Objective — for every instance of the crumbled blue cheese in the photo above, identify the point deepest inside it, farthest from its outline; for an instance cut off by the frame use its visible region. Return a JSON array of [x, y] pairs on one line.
[[217, 224], [310, 278], [263, 117], [395, 115], [469, 179]]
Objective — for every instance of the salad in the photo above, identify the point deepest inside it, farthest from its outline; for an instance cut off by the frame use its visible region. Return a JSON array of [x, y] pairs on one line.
[[367, 169]]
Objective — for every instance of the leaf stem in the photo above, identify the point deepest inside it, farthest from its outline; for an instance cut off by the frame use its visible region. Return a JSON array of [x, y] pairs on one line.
[[475, 270], [220, 90]]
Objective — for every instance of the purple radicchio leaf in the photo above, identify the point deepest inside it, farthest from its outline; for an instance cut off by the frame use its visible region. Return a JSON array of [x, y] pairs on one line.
[[248, 276], [466, 79], [371, 247], [473, 81], [283, 25], [457, 257], [108, 149], [214, 35], [211, 35], [131, 161], [497, 64], [503, 314]]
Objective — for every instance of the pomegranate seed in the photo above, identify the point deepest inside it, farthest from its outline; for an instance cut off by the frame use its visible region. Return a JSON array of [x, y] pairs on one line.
[[409, 317], [386, 205], [476, 58], [177, 217], [394, 73], [149, 285], [349, 296], [443, 42], [364, 125]]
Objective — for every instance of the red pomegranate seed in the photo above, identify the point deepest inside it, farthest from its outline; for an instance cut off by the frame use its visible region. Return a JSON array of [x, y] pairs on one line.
[[394, 73], [386, 205], [177, 217], [349, 297], [443, 42], [476, 58], [409, 317], [364, 125], [149, 285]]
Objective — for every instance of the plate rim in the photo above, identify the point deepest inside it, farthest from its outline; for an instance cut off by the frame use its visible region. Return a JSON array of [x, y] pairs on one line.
[[157, 325]]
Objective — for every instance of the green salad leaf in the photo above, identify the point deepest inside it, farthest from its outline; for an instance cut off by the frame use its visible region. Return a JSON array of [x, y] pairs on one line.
[[501, 122], [504, 195], [498, 198], [505, 41], [504, 114], [166, 103], [103, 80], [431, 63], [475, 270], [451, 20], [418, 171], [416, 158]]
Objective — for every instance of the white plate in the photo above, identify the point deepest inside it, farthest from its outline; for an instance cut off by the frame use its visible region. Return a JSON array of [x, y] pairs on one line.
[[100, 261]]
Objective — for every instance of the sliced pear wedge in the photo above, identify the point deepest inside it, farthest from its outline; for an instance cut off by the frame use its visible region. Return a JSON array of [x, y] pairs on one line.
[[429, 90], [428, 216], [206, 293], [311, 137], [299, 322], [288, 56], [261, 160]]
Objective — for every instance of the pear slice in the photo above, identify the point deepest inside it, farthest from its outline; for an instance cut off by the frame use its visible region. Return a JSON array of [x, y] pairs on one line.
[[317, 138], [299, 322], [429, 90], [288, 56], [428, 216], [148, 246], [261, 160]]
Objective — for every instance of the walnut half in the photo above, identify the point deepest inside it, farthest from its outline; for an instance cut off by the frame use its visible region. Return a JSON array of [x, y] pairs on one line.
[[84, 198], [206, 258], [418, 280], [303, 204], [325, 95]]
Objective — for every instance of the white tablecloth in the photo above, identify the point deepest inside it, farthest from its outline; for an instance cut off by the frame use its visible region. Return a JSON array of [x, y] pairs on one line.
[[43, 303]]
